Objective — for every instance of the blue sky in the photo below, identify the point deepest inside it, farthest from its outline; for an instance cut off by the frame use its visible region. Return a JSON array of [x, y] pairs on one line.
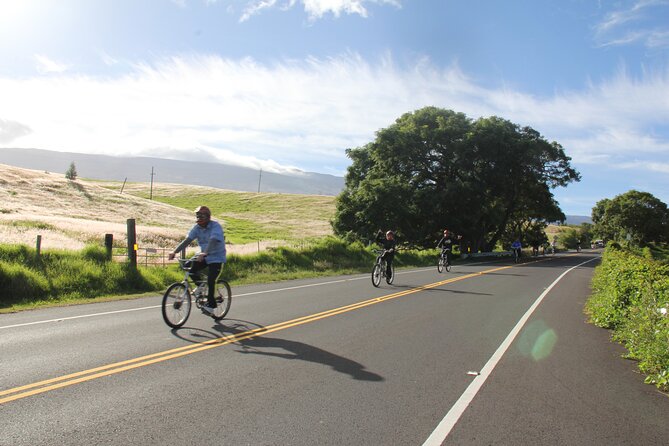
[[288, 85]]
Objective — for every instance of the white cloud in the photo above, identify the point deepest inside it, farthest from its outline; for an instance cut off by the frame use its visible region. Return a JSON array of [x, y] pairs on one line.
[[641, 22], [315, 9], [107, 59], [256, 7], [46, 65], [306, 113], [658, 167], [11, 130]]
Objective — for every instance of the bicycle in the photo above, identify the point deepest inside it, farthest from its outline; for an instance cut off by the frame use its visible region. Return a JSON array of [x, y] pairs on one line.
[[516, 255], [443, 263], [177, 300], [379, 269]]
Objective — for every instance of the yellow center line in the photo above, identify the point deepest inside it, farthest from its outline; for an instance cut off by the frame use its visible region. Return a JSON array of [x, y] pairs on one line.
[[130, 364]]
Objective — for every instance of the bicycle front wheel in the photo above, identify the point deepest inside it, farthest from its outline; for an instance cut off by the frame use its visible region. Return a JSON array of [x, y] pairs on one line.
[[376, 274], [176, 305], [440, 265], [223, 299]]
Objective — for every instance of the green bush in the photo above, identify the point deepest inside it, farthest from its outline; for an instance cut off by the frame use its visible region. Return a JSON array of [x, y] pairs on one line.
[[631, 296], [66, 275], [20, 283]]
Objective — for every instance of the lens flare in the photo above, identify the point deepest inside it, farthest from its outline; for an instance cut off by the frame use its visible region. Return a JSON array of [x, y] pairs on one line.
[[537, 341]]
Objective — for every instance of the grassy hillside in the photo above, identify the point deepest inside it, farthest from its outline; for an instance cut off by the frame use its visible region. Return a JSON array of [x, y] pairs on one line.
[[248, 216], [72, 214]]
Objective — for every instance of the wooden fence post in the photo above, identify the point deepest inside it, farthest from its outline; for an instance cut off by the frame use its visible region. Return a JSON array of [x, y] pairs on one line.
[[132, 242], [38, 245], [109, 242]]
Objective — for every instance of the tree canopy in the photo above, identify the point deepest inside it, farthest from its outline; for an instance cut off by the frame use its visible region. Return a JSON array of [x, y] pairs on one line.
[[634, 216], [435, 168]]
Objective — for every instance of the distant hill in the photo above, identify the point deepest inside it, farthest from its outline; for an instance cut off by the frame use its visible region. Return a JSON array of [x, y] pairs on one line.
[[577, 219], [138, 169]]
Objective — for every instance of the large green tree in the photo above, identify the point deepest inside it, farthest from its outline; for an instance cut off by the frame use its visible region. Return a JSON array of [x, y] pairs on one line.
[[634, 216], [436, 168]]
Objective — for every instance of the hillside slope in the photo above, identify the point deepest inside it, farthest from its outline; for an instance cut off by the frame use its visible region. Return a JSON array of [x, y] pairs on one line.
[[70, 214]]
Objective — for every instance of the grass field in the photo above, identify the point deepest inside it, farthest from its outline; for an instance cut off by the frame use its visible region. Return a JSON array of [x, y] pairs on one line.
[[72, 214]]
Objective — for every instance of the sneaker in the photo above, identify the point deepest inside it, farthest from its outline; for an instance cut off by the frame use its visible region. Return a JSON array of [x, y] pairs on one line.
[[208, 310]]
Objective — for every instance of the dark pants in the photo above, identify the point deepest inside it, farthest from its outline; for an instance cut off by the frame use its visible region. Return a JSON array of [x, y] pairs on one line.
[[214, 269], [446, 253], [388, 257]]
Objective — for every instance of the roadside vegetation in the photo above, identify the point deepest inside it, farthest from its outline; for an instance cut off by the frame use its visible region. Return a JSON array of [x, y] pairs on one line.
[[59, 277], [631, 285], [631, 297]]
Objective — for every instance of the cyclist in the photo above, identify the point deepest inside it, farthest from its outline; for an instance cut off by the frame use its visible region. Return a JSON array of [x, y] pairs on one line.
[[388, 243], [446, 244], [516, 247], [211, 239]]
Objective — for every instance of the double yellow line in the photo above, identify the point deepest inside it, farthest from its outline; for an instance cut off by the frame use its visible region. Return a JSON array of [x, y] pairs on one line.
[[59, 382]]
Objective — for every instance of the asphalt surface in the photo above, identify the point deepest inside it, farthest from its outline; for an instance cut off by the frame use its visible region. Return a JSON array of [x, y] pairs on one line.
[[490, 353]]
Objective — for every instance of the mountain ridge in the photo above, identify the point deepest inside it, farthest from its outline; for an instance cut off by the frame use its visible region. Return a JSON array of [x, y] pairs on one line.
[[140, 169]]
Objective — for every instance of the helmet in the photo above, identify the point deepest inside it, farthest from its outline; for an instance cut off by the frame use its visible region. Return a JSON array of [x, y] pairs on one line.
[[203, 210], [390, 233]]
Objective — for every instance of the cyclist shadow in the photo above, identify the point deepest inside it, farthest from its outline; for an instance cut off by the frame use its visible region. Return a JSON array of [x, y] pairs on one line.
[[293, 350], [258, 344]]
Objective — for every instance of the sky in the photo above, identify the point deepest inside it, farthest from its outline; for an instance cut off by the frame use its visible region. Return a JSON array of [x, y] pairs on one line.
[[289, 85]]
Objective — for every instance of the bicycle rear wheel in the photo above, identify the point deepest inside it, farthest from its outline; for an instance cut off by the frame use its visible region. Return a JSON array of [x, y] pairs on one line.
[[223, 299], [447, 266], [176, 305], [376, 274]]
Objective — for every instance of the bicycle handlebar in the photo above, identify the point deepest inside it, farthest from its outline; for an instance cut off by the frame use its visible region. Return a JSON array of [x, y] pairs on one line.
[[187, 264]]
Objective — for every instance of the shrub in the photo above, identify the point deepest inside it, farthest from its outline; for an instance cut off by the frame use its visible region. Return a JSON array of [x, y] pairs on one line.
[[631, 296], [19, 283]]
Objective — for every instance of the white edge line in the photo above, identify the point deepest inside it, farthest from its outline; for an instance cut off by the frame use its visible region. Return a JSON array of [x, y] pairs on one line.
[[446, 425]]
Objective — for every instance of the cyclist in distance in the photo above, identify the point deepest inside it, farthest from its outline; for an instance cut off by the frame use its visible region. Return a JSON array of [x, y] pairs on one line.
[[446, 243], [388, 243], [211, 239], [516, 247]]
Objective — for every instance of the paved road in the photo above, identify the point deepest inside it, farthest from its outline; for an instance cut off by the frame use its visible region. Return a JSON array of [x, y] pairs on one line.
[[486, 354]]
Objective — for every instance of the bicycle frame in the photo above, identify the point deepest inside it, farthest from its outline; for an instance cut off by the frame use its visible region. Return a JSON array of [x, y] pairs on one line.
[[380, 265], [197, 290]]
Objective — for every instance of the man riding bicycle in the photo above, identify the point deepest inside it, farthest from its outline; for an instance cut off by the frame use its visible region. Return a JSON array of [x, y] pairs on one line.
[[388, 243], [211, 239], [446, 244]]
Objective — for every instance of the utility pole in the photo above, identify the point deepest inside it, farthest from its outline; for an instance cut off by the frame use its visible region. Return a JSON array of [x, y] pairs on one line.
[[151, 193], [259, 178]]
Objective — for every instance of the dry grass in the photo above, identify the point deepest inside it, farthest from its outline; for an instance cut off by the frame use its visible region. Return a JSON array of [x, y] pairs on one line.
[[70, 214]]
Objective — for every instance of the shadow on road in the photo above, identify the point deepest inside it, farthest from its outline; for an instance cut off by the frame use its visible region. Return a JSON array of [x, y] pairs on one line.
[[276, 347]]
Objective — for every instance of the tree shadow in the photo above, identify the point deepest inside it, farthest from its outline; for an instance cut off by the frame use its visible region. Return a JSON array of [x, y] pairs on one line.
[[82, 189], [259, 344]]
